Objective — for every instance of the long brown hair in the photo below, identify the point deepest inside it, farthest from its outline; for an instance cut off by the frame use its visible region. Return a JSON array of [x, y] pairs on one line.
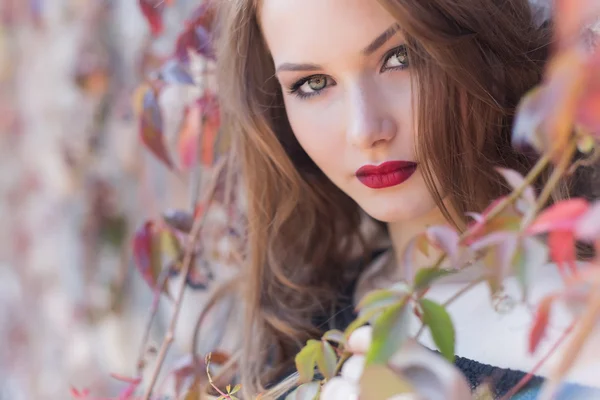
[[471, 60]]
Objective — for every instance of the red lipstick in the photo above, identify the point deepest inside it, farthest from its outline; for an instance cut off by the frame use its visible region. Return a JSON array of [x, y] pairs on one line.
[[388, 174]]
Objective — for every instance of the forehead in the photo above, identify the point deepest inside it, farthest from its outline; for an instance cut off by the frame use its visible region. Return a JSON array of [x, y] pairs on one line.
[[317, 30]]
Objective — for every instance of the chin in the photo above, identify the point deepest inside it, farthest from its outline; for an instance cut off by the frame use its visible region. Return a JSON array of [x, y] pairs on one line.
[[404, 204], [399, 211]]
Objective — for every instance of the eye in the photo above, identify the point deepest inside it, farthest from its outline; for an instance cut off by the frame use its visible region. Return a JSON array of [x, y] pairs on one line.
[[396, 59], [311, 86]]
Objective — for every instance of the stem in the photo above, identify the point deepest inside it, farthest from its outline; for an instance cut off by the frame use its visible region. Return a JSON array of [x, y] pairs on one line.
[[587, 322], [345, 356], [558, 172], [210, 380], [535, 172], [164, 274], [525, 380], [187, 263]]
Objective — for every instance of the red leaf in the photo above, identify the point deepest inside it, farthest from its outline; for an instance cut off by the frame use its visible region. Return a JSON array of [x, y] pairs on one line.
[[76, 394], [197, 34], [187, 145], [562, 249], [152, 10], [151, 127], [561, 216], [144, 254], [201, 118], [540, 323], [125, 379]]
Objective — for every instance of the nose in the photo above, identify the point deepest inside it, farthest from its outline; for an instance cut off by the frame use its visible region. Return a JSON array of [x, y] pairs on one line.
[[369, 123]]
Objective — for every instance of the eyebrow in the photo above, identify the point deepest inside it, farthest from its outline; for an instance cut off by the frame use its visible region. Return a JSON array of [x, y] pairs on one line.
[[370, 49]]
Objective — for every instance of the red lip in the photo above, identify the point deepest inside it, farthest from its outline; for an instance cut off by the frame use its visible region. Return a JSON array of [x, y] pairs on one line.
[[388, 174]]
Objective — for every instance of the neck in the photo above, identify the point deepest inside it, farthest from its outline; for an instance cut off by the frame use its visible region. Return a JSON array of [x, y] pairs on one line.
[[403, 231]]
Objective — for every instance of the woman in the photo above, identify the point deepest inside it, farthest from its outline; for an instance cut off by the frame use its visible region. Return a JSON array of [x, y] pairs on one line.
[[387, 114]]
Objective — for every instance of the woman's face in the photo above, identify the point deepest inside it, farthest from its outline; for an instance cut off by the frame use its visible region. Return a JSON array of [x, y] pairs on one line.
[[346, 84]]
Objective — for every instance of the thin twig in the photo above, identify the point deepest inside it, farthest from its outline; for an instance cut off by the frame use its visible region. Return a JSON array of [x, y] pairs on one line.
[[162, 279], [210, 380], [525, 380], [535, 172], [187, 262], [227, 287], [557, 174]]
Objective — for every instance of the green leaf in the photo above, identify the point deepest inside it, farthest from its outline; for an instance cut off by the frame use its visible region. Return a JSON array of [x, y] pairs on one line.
[[307, 391], [389, 332], [335, 336], [440, 325], [377, 299], [326, 360], [306, 359], [362, 319], [426, 276], [236, 389], [380, 382]]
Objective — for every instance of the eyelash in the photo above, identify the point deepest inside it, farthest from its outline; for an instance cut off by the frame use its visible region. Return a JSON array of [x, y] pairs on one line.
[[295, 88]]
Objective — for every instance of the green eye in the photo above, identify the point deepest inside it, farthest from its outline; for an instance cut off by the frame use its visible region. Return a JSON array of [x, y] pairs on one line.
[[317, 83]]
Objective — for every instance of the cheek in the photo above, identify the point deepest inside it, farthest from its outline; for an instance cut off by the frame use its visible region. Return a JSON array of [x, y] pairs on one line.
[[319, 133]]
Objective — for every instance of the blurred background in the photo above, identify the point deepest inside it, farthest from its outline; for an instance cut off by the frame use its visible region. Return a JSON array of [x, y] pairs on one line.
[[76, 183]]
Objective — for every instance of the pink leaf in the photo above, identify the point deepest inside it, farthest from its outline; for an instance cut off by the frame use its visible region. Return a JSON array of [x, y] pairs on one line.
[[562, 249], [560, 216], [152, 10], [540, 323], [516, 180], [200, 119], [76, 394], [151, 128], [197, 35], [443, 237], [588, 226]]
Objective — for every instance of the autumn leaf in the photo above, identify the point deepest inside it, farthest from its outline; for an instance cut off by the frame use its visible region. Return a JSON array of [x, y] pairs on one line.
[[80, 395], [560, 221], [152, 11], [144, 254], [151, 127], [560, 216], [197, 35], [540, 323], [202, 121], [173, 72]]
